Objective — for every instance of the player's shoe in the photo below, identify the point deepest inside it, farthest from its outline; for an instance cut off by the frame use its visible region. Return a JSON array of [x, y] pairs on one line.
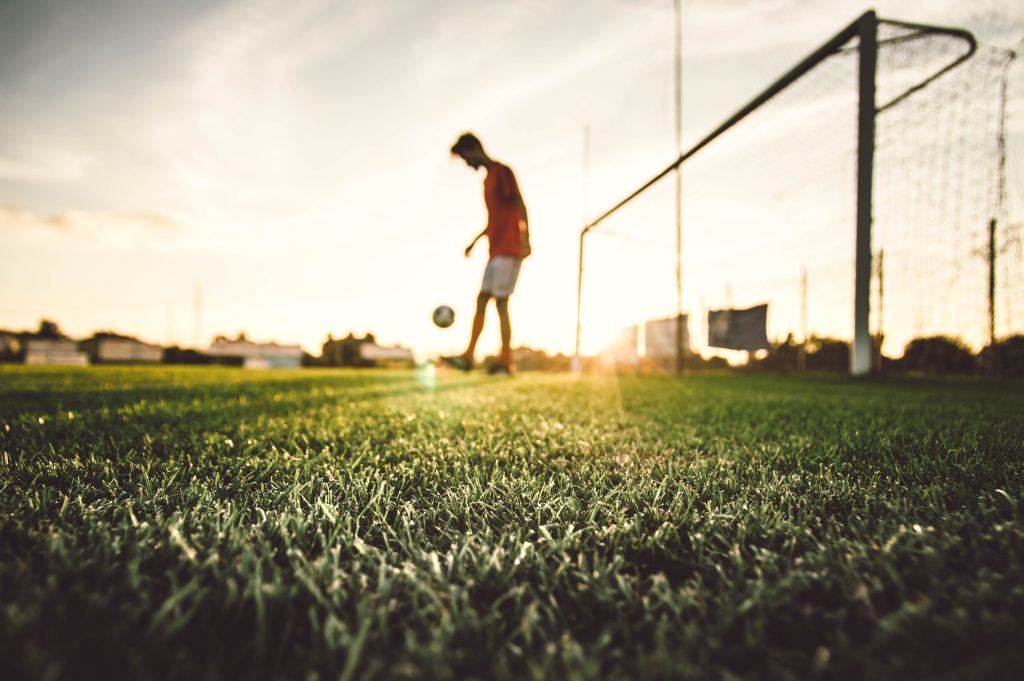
[[499, 369], [460, 362]]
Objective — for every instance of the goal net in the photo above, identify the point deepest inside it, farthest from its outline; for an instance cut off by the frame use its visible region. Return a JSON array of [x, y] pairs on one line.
[[772, 202]]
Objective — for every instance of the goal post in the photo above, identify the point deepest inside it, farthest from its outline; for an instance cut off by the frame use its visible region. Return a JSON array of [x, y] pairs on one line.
[[915, 57], [867, 32]]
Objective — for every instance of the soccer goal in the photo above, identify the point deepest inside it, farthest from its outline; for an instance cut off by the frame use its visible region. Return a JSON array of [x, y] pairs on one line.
[[861, 197]]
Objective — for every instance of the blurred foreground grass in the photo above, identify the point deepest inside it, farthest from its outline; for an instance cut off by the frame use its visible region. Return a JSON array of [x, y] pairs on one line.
[[216, 523]]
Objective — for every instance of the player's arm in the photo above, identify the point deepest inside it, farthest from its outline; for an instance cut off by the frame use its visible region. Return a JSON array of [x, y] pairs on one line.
[[513, 195], [524, 228], [469, 248]]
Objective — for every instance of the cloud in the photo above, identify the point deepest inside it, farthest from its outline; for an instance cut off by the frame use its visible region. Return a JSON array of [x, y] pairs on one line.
[[91, 223], [32, 163]]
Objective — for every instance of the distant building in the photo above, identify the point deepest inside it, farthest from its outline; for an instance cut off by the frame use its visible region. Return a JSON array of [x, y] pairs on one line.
[[380, 354], [111, 349], [257, 355], [54, 351], [346, 352]]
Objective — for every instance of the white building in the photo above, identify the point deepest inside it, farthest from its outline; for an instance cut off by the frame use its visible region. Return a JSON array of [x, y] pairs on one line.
[[258, 355], [380, 353], [122, 351], [54, 351]]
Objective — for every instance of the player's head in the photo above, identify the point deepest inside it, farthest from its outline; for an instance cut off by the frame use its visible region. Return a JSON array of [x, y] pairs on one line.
[[470, 150]]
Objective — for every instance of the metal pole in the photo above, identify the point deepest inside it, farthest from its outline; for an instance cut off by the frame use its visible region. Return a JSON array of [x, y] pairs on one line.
[[860, 355], [680, 331], [991, 285], [880, 329], [802, 354], [577, 360], [1001, 213], [586, 170]]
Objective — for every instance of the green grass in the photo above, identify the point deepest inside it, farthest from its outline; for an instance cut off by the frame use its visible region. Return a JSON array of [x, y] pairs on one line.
[[211, 523]]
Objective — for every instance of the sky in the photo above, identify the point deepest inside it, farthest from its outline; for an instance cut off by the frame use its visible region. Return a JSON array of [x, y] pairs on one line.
[[287, 163]]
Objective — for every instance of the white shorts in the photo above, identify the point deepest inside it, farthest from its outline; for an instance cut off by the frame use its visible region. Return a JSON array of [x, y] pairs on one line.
[[500, 276]]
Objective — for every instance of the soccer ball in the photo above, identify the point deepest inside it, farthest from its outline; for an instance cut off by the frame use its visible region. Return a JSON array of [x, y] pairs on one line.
[[444, 316]]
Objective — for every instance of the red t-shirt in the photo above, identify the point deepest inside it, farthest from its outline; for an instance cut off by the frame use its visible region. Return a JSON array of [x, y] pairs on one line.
[[501, 194]]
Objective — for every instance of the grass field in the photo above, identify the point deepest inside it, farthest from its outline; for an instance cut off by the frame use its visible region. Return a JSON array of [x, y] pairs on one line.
[[205, 523]]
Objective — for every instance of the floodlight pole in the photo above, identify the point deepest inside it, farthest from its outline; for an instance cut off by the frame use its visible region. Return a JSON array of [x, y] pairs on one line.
[[680, 331], [993, 224], [860, 353], [801, 357], [880, 327], [577, 360], [991, 286]]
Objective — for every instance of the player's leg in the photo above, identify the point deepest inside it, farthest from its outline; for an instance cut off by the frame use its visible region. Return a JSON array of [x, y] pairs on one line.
[[504, 283], [465, 360], [478, 323], [506, 332]]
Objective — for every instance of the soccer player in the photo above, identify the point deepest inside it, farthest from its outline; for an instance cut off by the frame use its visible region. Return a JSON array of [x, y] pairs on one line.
[[508, 236]]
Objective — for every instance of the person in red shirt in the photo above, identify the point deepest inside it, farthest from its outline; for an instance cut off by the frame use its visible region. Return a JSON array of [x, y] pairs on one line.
[[508, 235]]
